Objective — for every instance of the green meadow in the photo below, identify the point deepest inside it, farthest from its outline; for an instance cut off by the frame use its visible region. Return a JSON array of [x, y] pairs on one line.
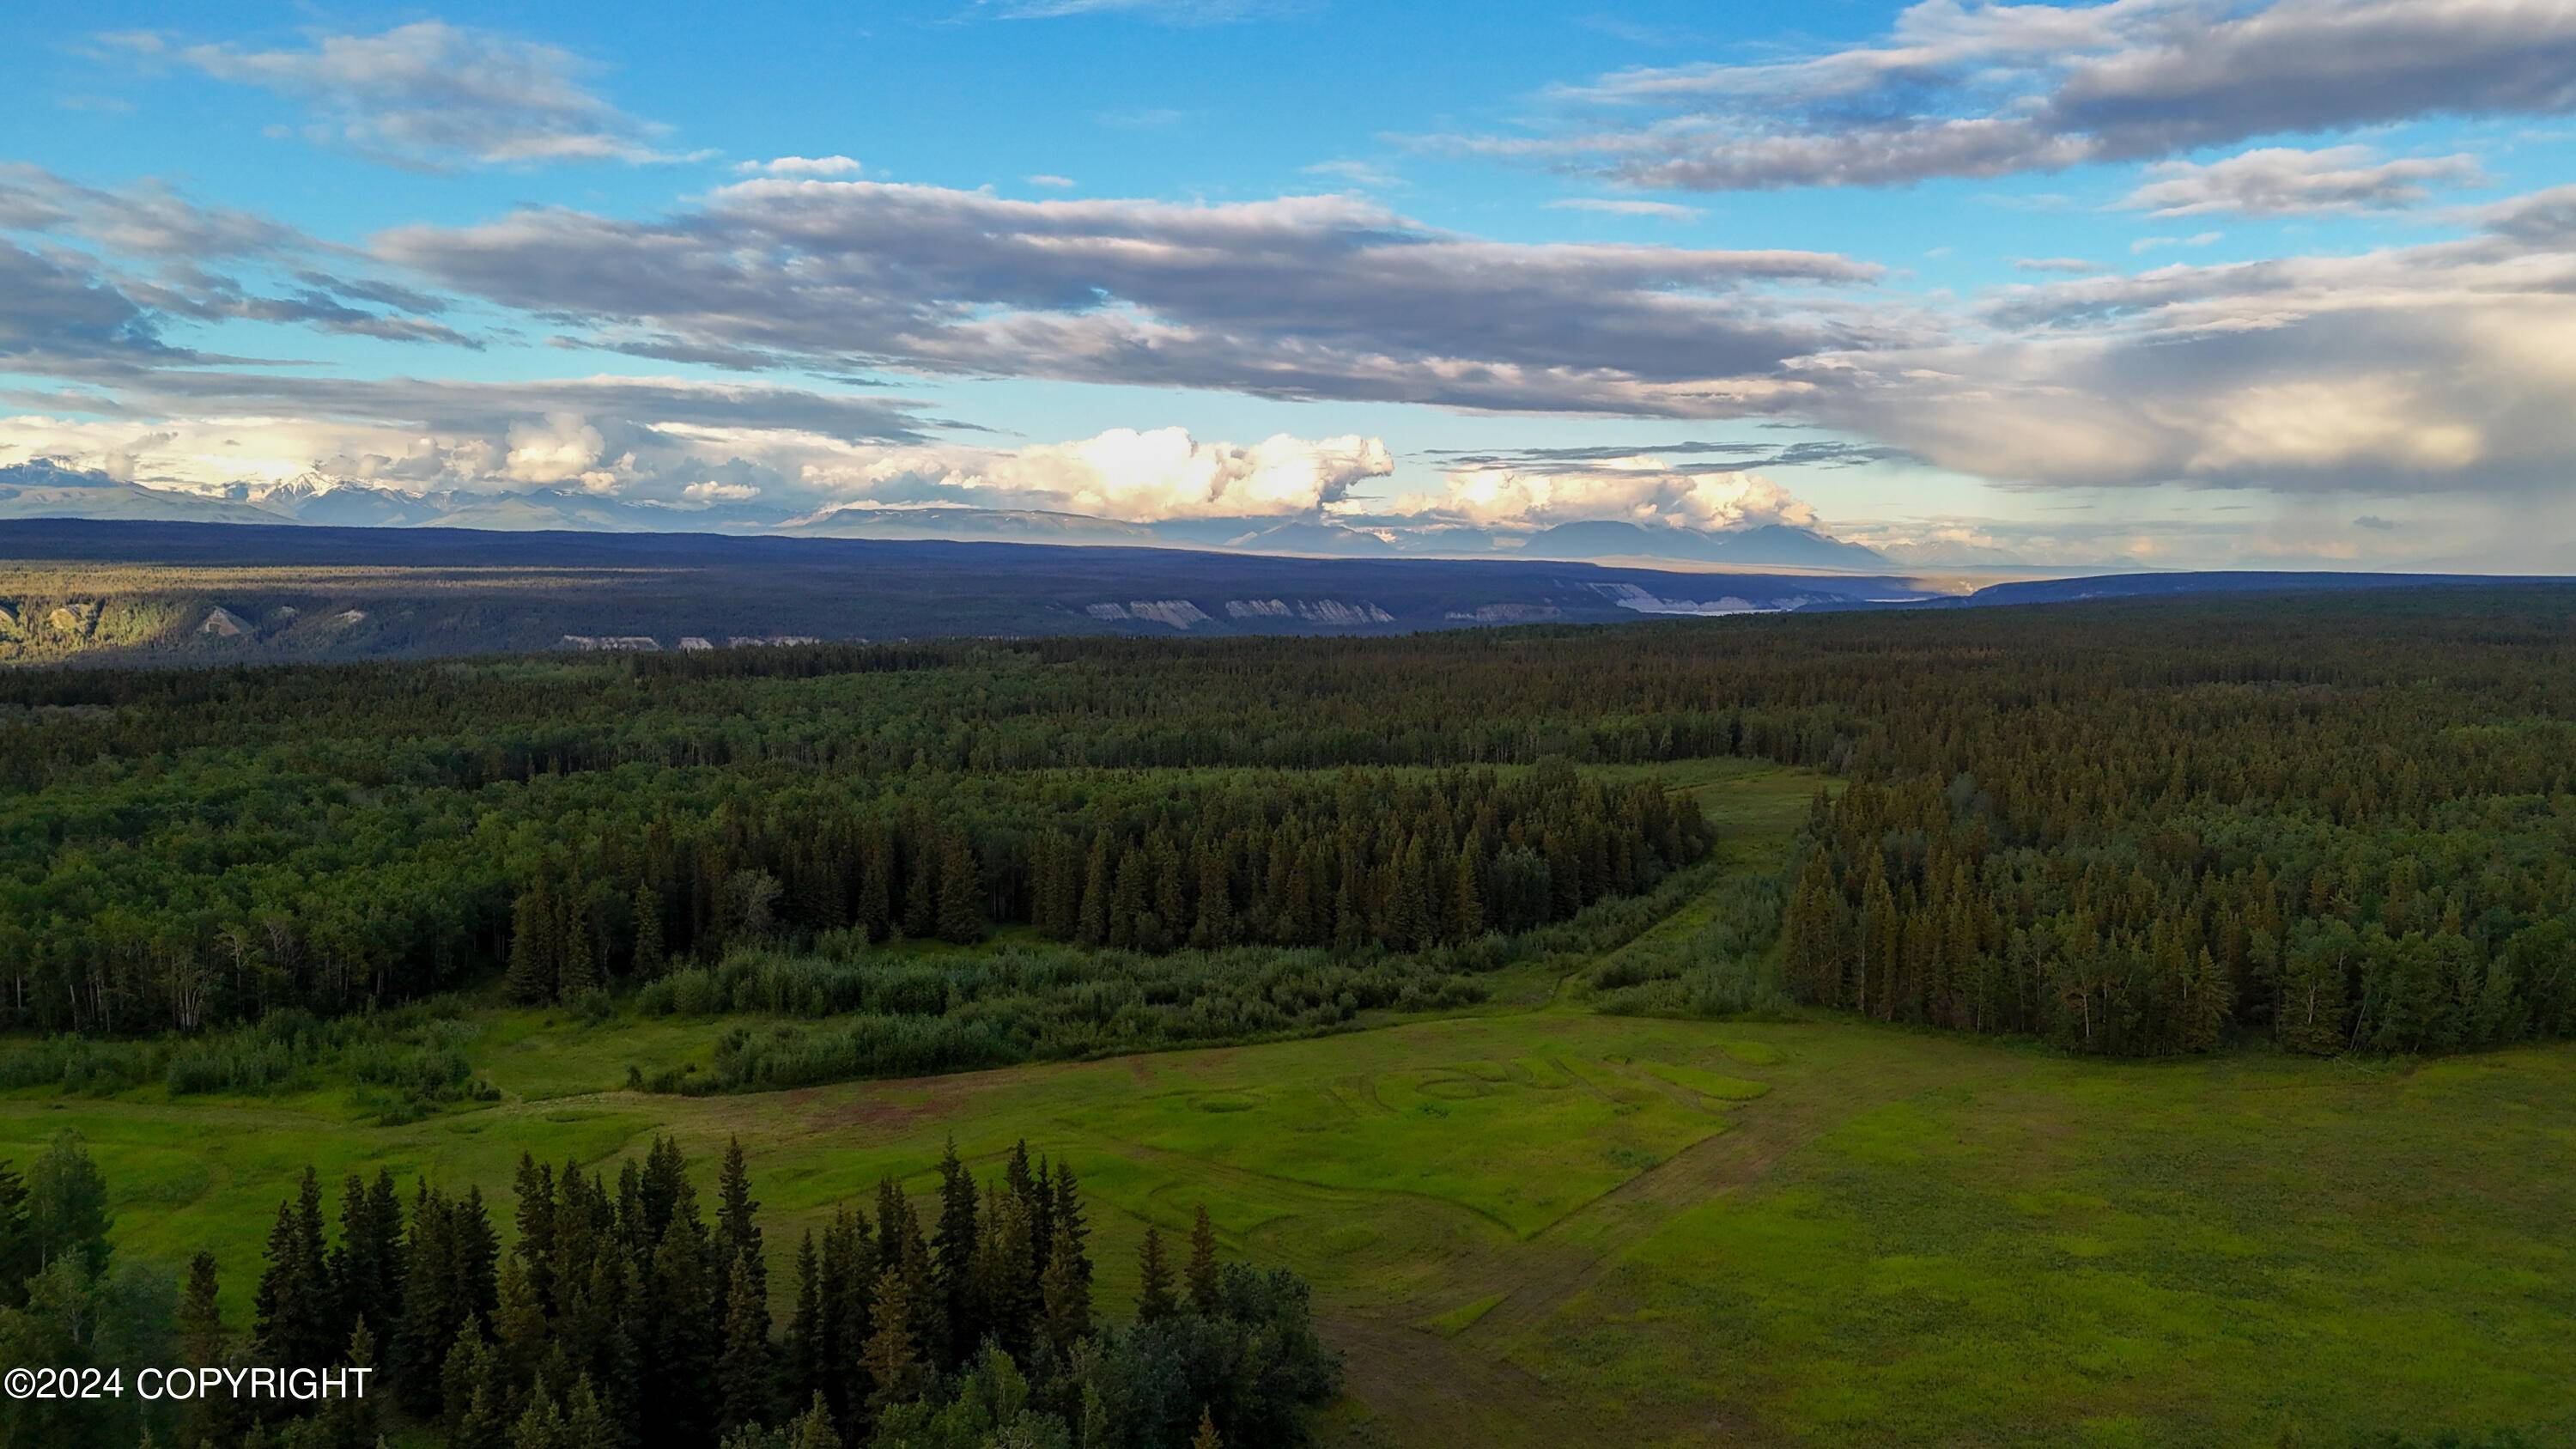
[[1535, 1223]]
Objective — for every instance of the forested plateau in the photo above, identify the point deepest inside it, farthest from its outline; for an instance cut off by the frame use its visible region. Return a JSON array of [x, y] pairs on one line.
[[2337, 822]]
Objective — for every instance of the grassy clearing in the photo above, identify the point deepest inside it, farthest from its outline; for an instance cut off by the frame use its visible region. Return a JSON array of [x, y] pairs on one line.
[[1541, 1225]]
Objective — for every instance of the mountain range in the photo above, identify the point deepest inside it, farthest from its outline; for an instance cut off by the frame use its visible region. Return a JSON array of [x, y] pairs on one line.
[[44, 488]]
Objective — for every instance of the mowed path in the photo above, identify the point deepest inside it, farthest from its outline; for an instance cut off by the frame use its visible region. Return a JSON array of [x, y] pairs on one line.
[[1423, 1385]]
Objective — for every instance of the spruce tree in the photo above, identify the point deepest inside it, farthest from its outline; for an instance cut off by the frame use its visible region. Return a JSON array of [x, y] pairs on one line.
[[295, 1323], [577, 971], [1066, 1294], [813, 1428], [587, 1421], [648, 957], [961, 891], [953, 1248], [1092, 920], [534, 920], [349, 1421], [1202, 1270], [738, 1221], [520, 1332], [1154, 1301], [892, 1358], [874, 912], [744, 1375], [470, 1401], [1207, 1436], [921, 885], [806, 1336]]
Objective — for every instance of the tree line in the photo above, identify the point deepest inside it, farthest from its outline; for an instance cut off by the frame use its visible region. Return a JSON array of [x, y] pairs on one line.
[[629, 1315], [2354, 806]]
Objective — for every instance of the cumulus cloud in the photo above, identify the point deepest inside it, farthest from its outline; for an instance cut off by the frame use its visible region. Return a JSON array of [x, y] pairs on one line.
[[2285, 181], [1639, 489], [800, 166], [431, 94], [1131, 476], [665, 441], [2438, 367], [1967, 88], [1302, 297]]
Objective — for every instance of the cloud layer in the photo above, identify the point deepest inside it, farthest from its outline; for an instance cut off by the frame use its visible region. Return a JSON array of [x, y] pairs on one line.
[[1301, 297], [1971, 89], [430, 94]]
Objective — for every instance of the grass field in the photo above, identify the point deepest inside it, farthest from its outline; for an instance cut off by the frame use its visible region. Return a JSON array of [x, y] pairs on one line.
[[1536, 1224]]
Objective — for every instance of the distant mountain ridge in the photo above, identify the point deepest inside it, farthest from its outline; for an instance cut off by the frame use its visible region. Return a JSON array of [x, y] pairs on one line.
[[1765, 545], [307, 591], [46, 489]]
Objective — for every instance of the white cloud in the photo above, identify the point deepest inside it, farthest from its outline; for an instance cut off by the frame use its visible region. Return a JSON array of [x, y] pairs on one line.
[[1620, 206], [1641, 489], [800, 166], [2157, 243], [2438, 368], [431, 94], [1050, 181], [1136, 477], [1969, 88], [2285, 181]]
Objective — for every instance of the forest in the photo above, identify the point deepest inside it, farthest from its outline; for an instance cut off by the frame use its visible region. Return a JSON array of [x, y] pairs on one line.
[[2340, 822], [606, 1314]]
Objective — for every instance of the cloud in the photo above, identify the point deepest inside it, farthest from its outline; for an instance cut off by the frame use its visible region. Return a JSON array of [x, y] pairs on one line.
[[432, 95], [58, 316], [2442, 367], [1620, 206], [160, 249], [1961, 88], [1135, 477], [148, 220], [1680, 457], [2284, 181], [1365, 174], [636, 447], [800, 166], [2146, 244], [1638, 489], [1301, 297], [2373, 521], [2066, 266], [1052, 182]]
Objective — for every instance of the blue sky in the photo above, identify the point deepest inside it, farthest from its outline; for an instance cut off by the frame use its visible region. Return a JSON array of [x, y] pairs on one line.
[[2160, 281]]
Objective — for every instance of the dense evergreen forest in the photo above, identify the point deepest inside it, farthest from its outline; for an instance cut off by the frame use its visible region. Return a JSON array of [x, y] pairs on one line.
[[2341, 821], [619, 1316]]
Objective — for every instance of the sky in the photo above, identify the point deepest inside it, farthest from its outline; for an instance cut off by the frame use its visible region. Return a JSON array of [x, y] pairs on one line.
[[2173, 283]]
